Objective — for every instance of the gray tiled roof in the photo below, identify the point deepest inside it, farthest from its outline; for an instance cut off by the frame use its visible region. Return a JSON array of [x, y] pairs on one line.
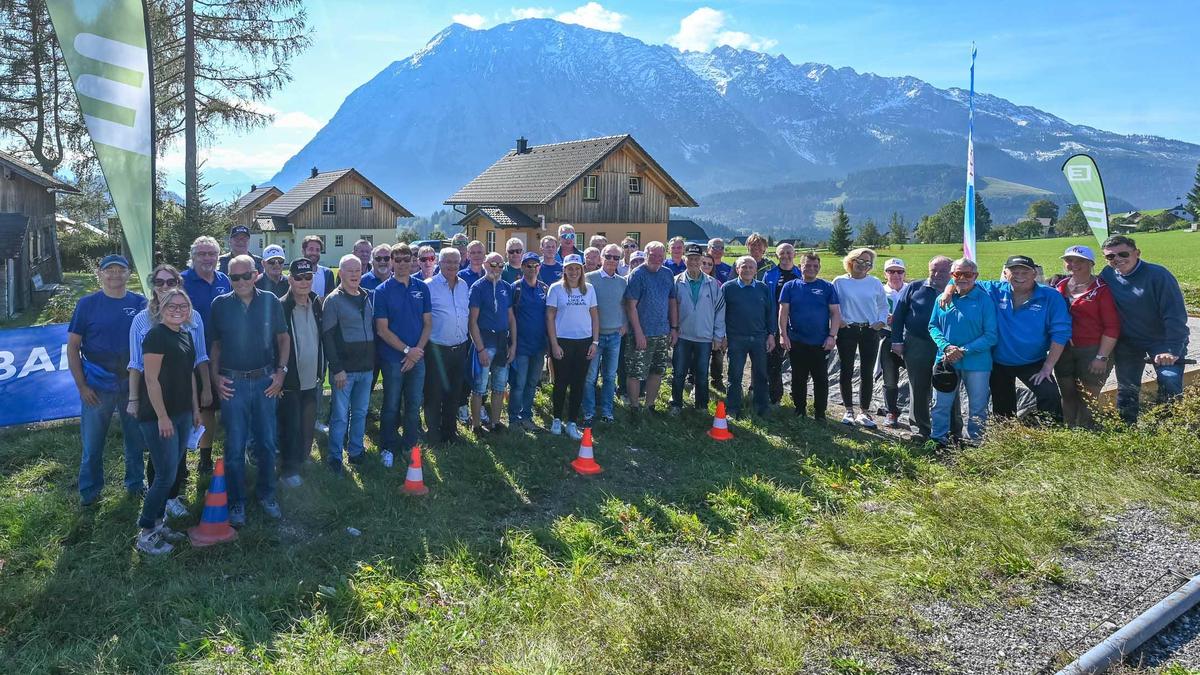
[[504, 216], [12, 234], [685, 228], [308, 189], [253, 196], [34, 174], [273, 224]]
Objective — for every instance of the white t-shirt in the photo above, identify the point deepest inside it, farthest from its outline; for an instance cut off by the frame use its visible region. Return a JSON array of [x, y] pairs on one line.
[[573, 316], [861, 300]]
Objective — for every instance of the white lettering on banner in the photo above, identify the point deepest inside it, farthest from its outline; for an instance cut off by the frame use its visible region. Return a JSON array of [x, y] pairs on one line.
[[1079, 172], [38, 361], [6, 366], [134, 138]]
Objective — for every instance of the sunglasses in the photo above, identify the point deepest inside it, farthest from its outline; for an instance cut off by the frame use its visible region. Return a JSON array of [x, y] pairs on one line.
[[402, 258], [1118, 254], [895, 271], [612, 257], [631, 246], [864, 263], [275, 261], [304, 276], [532, 265], [569, 235], [428, 259], [495, 265], [716, 248], [383, 258], [241, 277], [176, 307], [169, 283], [515, 251], [964, 275]]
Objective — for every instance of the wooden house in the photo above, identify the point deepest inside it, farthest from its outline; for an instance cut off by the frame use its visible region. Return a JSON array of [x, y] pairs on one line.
[[340, 207], [609, 186], [28, 234], [246, 208]]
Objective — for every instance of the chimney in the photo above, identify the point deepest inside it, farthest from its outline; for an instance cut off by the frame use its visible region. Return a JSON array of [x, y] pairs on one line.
[[253, 188], [314, 173], [522, 146]]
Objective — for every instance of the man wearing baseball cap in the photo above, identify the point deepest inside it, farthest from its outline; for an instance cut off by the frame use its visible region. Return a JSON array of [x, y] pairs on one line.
[[296, 414], [700, 307], [239, 244], [273, 280], [1034, 327]]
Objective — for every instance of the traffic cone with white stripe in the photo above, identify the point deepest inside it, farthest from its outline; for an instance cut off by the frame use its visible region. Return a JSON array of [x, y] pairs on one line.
[[214, 525], [585, 463], [414, 481], [720, 427]]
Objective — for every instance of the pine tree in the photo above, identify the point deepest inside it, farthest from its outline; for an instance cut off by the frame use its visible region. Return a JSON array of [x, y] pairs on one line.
[[1193, 197], [898, 230], [839, 236], [868, 235]]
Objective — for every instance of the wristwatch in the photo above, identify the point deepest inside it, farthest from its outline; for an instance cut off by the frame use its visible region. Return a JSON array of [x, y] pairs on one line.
[[283, 368], [1101, 357], [406, 348]]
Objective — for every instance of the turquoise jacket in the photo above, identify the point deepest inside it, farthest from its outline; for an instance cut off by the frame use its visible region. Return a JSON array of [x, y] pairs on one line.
[[970, 323]]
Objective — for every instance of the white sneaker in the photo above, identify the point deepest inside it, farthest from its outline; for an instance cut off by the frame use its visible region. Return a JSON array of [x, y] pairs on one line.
[[464, 414], [848, 418], [175, 508], [556, 427], [387, 458], [573, 431], [865, 420], [152, 543], [292, 481]]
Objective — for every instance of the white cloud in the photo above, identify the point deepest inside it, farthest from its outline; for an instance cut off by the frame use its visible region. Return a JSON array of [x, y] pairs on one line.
[[266, 159], [297, 120], [701, 30], [593, 15], [532, 12], [475, 21]]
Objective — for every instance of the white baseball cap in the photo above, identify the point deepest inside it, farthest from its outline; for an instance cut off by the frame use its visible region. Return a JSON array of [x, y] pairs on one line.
[[1079, 252], [274, 251], [894, 263]]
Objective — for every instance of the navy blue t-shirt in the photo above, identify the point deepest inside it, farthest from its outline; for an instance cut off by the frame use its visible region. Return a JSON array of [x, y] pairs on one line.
[[203, 293], [808, 309], [103, 323], [723, 272], [550, 272], [493, 301], [469, 276], [529, 305], [405, 307]]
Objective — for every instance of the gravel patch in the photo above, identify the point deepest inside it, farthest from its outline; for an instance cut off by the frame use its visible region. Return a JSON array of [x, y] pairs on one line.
[[1136, 561]]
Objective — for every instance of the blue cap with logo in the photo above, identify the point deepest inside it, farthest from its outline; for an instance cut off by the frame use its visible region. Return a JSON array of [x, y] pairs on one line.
[[1079, 252], [114, 259], [530, 255], [573, 259]]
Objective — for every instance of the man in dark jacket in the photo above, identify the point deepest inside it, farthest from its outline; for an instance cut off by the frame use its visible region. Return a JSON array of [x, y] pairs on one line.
[[297, 411], [911, 341]]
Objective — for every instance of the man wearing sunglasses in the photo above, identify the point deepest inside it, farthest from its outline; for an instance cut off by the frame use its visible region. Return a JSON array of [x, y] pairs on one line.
[[297, 410], [381, 268], [273, 280], [493, 328], [403, 321], [566, 238], [529, 307], [610, 304], [1153, 324], [515, 248], [239, 244]]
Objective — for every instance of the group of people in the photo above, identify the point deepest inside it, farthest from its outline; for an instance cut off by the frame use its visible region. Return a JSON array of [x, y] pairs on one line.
[[463, 335]]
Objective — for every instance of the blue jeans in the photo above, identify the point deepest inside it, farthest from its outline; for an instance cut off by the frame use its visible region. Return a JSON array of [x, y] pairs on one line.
[[166, 454], [348, 410], [694, 357], [741, 347], [405, 389], [608, 352], [250, 408], [93, 429], [978, 387], [525, 376], [1131, 363]]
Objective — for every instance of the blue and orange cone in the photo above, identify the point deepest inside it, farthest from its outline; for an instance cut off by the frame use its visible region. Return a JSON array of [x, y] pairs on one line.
[[214, 525]]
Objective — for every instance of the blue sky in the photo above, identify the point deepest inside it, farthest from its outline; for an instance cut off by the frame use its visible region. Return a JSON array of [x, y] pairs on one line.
[[1113, 65]]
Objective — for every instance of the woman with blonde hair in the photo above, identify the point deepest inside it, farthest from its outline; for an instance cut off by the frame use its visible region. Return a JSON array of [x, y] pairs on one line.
[[864, 309], [573, 325]]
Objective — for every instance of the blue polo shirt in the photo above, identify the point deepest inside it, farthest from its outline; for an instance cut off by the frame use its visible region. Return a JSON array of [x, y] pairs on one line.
[[1025, 332], [404, 306], [203, 293], [370, 282], [550, 272], [529, 305], [493, 300], [103, 324], [723, 272], [676, 268], [246, 332], [808, 309], [469, 276]]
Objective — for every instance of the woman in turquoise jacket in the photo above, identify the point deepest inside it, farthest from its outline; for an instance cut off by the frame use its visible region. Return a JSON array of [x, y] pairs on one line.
[[963, 325]]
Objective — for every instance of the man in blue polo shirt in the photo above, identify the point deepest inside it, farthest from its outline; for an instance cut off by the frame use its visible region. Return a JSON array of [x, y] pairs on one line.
[[381, 268], [472, 267], [97, 354], [911, 341], [493, 328], [1034, 326], [551, 269], [529, 308], [809, 317], [403, 322], [203, 283]]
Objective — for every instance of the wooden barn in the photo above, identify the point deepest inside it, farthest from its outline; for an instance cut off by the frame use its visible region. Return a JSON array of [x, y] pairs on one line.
[[246, 208], [28, 235], [609, 186]]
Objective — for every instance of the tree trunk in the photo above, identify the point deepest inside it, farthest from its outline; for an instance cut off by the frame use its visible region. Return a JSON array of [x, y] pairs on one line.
[[190, 161]]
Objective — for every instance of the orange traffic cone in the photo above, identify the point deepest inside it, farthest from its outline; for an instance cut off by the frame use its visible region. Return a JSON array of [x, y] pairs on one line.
[[414, 481], [214, 521], [720, 427], [585, 464]]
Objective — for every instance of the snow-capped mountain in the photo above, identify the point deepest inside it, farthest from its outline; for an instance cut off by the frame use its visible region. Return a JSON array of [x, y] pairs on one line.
[[722, 120]]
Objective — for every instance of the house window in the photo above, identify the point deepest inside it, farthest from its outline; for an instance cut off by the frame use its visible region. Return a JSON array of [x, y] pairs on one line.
[[491, 240], [339, 240], [368, 237], [472, 232], [590, 187], [635, 185], [636, 236], [260, 243], [366, 202], [329, 205]]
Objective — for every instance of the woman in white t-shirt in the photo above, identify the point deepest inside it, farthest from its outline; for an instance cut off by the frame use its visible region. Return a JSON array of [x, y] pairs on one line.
[[864, 313], [573, 324]]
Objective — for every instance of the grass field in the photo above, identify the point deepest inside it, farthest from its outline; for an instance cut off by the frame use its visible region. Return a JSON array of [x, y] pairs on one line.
[[794, 546]]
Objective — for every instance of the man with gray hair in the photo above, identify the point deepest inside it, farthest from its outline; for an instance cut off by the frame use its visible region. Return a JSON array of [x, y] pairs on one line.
[[515, 248], [380, 265], [610, 293], [654, 324], [447, 356], [911, 341], [751, 324], [203, 283], [599, 241], [348, 334]]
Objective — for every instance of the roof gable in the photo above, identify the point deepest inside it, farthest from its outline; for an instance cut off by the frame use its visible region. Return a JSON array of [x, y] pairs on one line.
[[309, 189], [32, 173], [253, 196]]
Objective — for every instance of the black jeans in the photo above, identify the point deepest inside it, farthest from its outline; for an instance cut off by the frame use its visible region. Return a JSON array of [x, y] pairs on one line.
[[297, 416], [1004, 391], [443, 388], [570, 374], [775, 360], [810, 361], [890, 364], [863, 341], [716, 369]]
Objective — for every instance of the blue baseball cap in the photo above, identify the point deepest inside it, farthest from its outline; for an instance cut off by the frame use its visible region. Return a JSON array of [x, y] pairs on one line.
[[530, 255], [573, 259], [114, 259]]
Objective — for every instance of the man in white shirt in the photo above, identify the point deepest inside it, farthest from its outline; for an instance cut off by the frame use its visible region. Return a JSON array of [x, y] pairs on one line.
[[447, 355]]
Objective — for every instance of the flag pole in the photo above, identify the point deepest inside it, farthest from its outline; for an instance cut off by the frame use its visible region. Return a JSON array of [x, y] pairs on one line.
[[969, 200], [153, 142]]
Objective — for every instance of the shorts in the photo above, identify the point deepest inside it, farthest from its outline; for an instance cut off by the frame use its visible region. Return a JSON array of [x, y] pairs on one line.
[[216, 399], [653, 360], [496, 373]]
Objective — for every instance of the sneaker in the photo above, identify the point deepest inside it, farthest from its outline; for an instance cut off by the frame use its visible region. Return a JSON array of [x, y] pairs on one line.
[[574, 432], [271, 508], [152, 543], [464, 414], [292, 481], [237, 515], [529, 425], [386, 458], [170, 535], [892, 421], [479, 431], [175, 508], [358, 459], [675, 411], [589, 422], [85, 502], [556, 427], [607, 419], [865, 420], [335, 466], [848, 418]]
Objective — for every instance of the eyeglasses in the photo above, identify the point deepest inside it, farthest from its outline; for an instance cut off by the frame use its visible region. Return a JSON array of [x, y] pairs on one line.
[[1119, 254], [169, 283], [865, 262], [612, 257], [515, 251], [241, 277], [303, 276], [428, 258], [964, 275], [894, 271], [383, 258], [176, 307]]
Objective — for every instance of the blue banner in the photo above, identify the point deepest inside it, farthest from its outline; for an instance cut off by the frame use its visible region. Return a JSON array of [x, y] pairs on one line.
[[35, 380]]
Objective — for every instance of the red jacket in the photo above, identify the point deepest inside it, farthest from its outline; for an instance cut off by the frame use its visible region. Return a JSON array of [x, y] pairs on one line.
[[1093, 314]]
